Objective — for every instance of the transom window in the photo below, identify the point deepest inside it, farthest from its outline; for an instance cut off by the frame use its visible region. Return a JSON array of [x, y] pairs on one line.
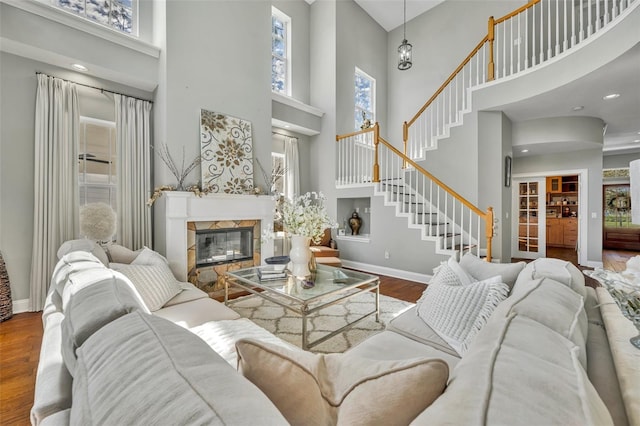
[[280, 52], [365, 98], [117, 14], [97, 175]]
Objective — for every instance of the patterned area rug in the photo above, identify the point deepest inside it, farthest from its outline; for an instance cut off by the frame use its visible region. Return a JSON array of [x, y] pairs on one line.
[[287, 325]]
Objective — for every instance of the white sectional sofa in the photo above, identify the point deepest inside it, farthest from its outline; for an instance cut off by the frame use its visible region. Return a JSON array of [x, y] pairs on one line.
[[542, 357]]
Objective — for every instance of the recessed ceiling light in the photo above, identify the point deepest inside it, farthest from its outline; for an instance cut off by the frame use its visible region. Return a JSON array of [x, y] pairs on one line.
[[286, 126], [80, 67], [637, 140], [611, 96], [577, 108], [525, 150]]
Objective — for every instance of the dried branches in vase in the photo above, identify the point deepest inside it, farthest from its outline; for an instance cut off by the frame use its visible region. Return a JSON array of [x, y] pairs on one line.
[[181, 174], [272, 179]]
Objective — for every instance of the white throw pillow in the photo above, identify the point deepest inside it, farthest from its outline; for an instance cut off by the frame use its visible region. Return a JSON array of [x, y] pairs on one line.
[[83, 244], [481, 270], [155, 283], [149, 257], [458, 312], [451, 273]]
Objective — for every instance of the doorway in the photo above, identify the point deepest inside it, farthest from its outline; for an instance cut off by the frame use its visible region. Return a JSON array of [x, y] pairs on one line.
[[549, 215]]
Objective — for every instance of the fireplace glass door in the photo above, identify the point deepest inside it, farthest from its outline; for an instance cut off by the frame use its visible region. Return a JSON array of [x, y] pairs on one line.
[[217, 246]]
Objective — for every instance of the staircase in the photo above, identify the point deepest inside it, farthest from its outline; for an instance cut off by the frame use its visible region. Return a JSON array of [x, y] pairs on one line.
[[528, 37]]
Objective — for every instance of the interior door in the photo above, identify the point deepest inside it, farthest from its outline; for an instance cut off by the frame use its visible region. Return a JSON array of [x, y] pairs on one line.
[[529, 241]]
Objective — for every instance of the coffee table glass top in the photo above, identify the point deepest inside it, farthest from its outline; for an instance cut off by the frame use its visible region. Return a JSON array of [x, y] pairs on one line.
[[291, 287]]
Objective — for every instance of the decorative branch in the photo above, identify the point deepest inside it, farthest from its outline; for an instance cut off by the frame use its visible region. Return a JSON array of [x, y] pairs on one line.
[[272, 179], [167, 159]]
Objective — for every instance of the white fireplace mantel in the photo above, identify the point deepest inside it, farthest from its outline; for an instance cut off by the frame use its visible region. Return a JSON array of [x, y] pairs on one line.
[[174, 209]]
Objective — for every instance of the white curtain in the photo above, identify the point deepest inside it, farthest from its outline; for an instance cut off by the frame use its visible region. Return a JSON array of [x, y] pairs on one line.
[[55, 217], [291, 181], [133, 140]]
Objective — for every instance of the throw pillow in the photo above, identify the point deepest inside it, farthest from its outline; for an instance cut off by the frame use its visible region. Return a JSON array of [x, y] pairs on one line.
[[342, 389], [481, 270], [149, 257], [458, 313], [155, 283], [450, 273], [121, 254]]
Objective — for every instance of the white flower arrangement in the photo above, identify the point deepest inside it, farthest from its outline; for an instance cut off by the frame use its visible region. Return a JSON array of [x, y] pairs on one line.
[[306, 215]]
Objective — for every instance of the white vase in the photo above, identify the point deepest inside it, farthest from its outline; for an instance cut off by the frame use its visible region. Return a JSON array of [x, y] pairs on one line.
[[300, 256]]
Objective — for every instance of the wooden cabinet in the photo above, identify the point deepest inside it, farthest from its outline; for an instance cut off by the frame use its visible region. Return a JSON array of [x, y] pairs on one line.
[[562, 232], [554, 184]]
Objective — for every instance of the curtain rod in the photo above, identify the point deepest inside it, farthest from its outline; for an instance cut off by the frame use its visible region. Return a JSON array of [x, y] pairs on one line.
[[282, 134], [93, 87]]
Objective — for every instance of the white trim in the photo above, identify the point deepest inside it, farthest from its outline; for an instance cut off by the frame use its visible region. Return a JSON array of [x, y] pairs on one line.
[[594, 264], [63, 17], [294, 103], [583, 206], [357, 238], [20, 306], [390, 272]]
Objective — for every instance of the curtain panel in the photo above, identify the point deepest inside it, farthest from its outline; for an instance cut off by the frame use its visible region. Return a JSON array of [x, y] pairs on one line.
[[56, 216], [133, 144], [291, 182]]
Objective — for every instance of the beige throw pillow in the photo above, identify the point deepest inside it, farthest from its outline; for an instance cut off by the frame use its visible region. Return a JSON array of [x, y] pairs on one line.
[[155, 283], [341, 389]]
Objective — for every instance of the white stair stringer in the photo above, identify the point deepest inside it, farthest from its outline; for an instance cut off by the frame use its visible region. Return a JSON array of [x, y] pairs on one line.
[[421, 214]]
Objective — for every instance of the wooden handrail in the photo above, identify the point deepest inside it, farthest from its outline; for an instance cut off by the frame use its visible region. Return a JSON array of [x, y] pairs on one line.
[[433, 178], [359, 132], [517, 11], [446, 83]]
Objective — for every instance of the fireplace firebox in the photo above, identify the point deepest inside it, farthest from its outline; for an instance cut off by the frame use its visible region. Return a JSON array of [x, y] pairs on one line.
[[220, 246]]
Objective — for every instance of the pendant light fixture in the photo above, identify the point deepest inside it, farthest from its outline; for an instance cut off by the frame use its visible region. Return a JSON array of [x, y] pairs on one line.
[[404, 51]]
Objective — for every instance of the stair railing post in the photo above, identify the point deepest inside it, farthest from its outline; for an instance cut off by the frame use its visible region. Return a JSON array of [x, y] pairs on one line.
[[489, 231], [376, 165], [490, 38], [405, 141]]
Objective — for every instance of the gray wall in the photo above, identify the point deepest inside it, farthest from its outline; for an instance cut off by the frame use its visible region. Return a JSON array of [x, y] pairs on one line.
[[587, 159], [619, 161], [17, 128]]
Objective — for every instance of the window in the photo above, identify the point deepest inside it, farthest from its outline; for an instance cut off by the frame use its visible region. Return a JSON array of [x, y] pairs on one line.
[[97, 157], [280, 52], [117, 14], [365, 98]]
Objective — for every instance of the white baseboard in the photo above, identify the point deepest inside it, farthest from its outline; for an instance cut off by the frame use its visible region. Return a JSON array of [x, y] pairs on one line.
[[390, 272], [20, 306], [594, 264]]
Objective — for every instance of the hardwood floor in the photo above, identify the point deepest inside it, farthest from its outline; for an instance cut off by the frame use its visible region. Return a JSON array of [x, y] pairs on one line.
[[21, 336]]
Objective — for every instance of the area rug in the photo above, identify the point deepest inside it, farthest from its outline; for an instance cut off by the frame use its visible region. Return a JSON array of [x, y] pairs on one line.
[[287, 325]]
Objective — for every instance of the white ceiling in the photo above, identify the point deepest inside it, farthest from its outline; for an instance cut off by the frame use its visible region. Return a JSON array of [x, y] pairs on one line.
[[389, 13]]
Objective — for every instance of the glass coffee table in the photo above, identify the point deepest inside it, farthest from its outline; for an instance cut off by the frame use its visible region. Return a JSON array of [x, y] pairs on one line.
[[329, 288]]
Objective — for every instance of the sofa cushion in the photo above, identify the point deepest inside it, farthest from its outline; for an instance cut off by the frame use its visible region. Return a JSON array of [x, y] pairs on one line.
[[323, 251], [155, 283], [553, 305], [344, 389], [409, 324], [53, 381], [196, 312], [141, 369], [518, 372], [71, 263], [458, 312], [91, 308], [481, 270], [85, 245], [390, 345], [188, 292], [559, 270]]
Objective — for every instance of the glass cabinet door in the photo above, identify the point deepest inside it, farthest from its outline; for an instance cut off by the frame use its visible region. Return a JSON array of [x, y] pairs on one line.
[[530, 203]]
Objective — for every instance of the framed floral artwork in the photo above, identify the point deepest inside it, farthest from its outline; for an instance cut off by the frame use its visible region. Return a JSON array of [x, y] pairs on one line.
[[226, 146]]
